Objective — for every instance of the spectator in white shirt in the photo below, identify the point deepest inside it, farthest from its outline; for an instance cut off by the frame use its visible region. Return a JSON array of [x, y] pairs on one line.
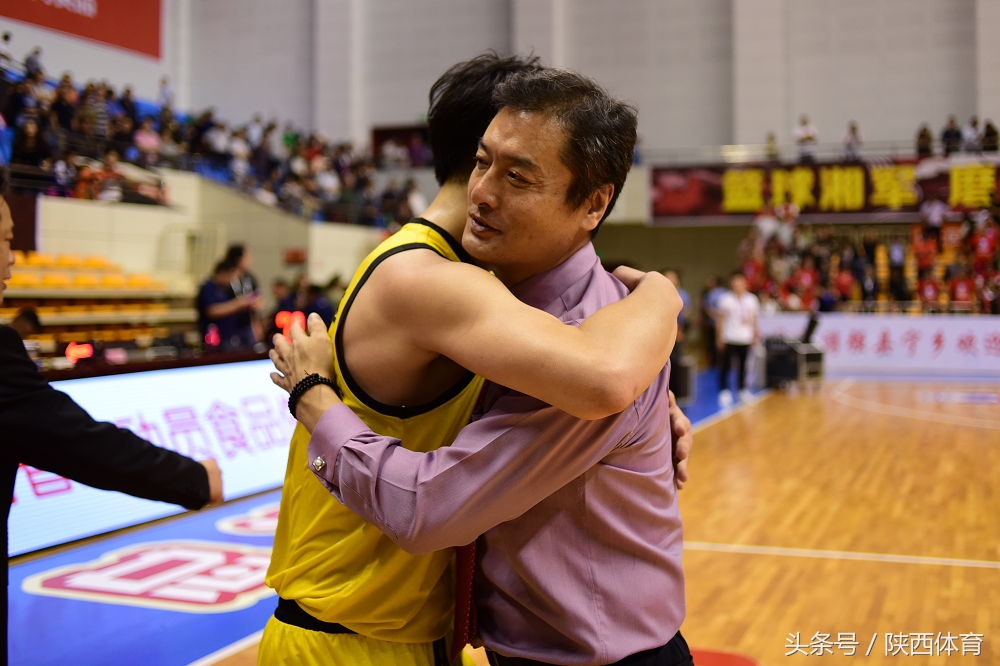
[[166, 96], [853, 140], [972, 139], [255, 131], [806, 136], [737, 328], [240, 151]]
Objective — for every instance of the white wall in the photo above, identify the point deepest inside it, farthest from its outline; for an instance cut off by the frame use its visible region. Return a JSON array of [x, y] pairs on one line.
[[671, 57], [92, 60], [410, 44], [250, 56], [888, 64]]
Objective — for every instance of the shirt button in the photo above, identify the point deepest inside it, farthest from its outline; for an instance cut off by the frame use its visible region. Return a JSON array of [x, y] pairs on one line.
[[319, 463]]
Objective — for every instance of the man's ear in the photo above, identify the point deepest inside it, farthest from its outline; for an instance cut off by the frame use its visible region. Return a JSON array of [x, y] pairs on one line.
[[596, 204]]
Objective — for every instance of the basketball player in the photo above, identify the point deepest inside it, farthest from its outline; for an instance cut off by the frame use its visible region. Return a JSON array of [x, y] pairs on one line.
[[417, 330], [575, 522]]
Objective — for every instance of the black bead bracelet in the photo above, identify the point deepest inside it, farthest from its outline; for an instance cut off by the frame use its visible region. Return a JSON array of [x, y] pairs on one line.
[[308, 382]]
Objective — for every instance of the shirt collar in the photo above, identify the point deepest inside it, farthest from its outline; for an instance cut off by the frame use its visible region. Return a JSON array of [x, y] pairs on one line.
[[540, 291]]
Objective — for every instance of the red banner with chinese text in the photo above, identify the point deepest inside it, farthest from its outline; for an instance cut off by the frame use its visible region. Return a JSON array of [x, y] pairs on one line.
[[965, 183], [129, 24]]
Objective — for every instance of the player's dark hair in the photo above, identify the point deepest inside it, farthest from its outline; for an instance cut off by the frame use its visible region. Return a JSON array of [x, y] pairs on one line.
[[30, 316], [600, 130], [461, 108]]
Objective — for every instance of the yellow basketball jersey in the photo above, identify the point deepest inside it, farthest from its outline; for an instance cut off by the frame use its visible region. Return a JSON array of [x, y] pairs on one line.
[[338, 567]]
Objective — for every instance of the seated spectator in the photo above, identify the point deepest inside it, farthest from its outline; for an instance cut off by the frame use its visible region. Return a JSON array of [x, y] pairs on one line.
[[768, 306], [127, 103], [925, 250], [64, 172], [925, 141], [985, 242], [29, 148], [147, 141], [869, 286], [991, 138], [962, 287], [844, 283], [265, 194], [240, 152], [216, 142], [420, 152], [951, 137], [109, 184], [43, 93], [170, 151], [123, 134], [988, 284], [852, 140], [929, 290]]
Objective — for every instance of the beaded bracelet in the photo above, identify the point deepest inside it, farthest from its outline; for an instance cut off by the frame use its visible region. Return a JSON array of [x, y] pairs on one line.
[[308, 382]]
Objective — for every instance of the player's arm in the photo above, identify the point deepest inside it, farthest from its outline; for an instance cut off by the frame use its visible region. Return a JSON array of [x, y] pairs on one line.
[[590, 371]]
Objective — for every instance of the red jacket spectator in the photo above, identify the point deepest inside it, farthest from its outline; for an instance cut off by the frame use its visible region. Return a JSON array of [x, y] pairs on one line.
[[844, 284], [962, 289], [929, 289], [925, 250], [984, 246]]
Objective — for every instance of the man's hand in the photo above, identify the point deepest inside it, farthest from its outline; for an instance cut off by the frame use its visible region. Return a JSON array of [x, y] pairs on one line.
[[308, 353], [683, 441], [630, 277], [214, 482]]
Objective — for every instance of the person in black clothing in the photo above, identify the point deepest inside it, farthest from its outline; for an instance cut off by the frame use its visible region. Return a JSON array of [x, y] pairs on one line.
[[951, 137], [44, 428], [30, 149], [244, 283], [218, 308]]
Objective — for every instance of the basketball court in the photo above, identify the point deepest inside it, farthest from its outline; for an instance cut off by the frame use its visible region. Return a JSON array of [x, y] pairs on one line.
[[861, 515]]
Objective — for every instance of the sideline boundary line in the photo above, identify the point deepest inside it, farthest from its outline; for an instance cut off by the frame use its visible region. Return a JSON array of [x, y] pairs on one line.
[[781, 551], [229, 650], [722, 414], [839, 395]]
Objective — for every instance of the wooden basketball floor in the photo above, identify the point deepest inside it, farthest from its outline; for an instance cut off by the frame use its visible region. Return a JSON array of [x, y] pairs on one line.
[[865, 507]]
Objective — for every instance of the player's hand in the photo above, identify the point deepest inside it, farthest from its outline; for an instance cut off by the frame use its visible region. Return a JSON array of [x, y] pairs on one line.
[[310, 352], [683, 441], [630, 277], [214, 482]]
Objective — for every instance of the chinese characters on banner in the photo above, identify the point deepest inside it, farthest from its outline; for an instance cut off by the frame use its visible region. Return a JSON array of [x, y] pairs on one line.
[[230, 412], [898, 344], [821, 188]]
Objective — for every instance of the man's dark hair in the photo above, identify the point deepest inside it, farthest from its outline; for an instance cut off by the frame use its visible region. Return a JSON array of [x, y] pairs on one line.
[[462, 106], [30, 317], [235, 253], [224, 266], [600, 130]]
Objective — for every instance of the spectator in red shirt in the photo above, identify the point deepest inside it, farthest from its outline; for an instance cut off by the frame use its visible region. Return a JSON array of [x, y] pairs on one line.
[[844, 283], [925, 250], [929, 290], [753, 270], [962, 288], [984, 242]]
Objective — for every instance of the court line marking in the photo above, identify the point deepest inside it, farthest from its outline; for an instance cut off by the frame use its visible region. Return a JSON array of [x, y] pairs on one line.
[[229, 650], [706, 546], [840, 396], [709, 421]]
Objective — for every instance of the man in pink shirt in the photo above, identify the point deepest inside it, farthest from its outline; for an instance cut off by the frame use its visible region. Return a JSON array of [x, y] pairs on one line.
[[575, 521]]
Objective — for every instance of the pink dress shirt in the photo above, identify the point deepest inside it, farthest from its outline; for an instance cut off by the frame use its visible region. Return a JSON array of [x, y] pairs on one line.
[[579, 532]]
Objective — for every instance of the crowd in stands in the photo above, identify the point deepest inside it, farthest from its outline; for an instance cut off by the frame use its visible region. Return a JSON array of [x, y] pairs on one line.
[[970, 138], [72, 139], [798, 267]]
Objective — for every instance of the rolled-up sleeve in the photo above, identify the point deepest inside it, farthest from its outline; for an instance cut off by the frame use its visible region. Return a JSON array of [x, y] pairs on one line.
[[499, 466]]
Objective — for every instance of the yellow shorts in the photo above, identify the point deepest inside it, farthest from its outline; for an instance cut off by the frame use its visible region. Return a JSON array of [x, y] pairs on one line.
[[286, 645]]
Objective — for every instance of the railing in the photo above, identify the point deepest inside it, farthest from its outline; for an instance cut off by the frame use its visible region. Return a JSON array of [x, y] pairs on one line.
[[786, 154]]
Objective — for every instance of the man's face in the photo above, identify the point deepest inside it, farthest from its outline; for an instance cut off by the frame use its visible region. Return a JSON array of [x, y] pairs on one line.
[[519, 222], [6, 254]]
